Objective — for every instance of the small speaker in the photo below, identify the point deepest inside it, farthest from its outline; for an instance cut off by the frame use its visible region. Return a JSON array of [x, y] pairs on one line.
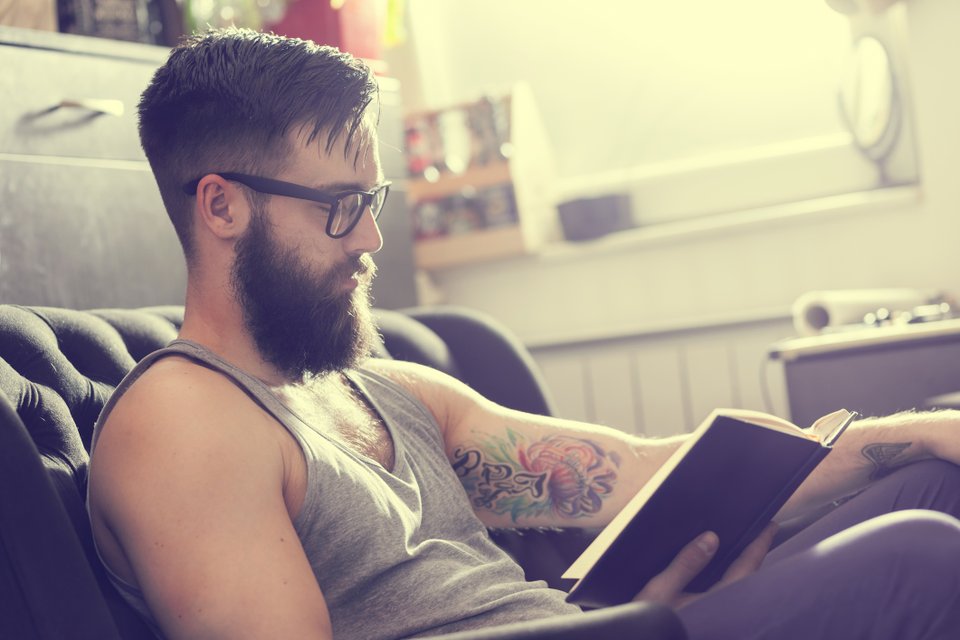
[[589, 218]]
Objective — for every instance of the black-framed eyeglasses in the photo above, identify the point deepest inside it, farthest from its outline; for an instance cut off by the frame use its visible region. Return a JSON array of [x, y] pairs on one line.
[[346, 207]]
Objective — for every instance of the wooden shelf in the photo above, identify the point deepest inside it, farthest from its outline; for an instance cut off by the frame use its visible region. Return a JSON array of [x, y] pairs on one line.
[[451, 184], [529, 173], [476, 246]]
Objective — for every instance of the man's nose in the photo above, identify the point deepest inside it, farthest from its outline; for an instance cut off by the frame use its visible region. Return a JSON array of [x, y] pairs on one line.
[[365, 237]]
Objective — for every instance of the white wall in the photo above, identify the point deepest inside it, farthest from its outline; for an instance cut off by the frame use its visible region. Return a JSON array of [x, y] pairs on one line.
[[623, 83], [766, 267]]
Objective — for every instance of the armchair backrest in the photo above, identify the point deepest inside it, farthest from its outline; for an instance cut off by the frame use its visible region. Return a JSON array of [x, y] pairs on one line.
[[57, 369]]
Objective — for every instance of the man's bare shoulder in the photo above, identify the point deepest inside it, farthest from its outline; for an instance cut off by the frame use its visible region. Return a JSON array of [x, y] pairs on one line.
[[446, 397], [416, 378], [176, 384], [178, 403], [405, 373], [187, 477], [179, 375]]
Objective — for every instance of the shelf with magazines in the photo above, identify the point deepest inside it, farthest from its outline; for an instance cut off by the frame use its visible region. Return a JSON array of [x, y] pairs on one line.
[[481, 185]]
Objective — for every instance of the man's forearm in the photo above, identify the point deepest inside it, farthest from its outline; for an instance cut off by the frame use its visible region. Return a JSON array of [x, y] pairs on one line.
[[872, 448]]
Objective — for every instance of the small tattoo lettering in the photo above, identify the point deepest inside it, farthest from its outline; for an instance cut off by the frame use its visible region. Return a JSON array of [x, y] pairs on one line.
[[495, 481]]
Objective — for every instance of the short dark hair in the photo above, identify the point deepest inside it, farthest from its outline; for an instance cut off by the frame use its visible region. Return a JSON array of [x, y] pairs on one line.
[[226, 100]]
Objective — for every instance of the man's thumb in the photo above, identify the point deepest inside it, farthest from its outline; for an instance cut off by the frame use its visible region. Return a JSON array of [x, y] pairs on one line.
[[696, 555], [693, 558], [670, 583]]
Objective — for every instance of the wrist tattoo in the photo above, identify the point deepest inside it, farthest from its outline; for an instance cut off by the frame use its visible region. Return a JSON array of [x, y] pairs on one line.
[[885, 457], [564, 475]]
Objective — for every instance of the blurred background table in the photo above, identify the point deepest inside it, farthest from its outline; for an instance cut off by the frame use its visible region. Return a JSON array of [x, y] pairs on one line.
[[873, 370]]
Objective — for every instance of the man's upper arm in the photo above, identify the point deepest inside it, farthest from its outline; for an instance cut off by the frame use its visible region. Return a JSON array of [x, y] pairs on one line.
[[188, 477], [525, 470]]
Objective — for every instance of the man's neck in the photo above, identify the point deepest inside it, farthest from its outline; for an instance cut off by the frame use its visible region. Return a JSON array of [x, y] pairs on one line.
[[220, 328]]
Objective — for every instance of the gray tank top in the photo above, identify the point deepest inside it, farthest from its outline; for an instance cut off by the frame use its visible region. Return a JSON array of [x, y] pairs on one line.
[[397, 553]]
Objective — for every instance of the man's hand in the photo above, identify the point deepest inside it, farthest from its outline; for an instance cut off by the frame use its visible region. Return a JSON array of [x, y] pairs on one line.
[[668, 586], [872, 448], [940, 434]]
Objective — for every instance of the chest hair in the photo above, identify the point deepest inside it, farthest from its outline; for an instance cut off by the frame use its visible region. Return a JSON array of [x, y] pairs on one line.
[[335, 408]]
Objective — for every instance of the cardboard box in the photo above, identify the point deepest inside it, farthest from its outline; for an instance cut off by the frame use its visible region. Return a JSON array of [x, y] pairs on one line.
[[36, 14]]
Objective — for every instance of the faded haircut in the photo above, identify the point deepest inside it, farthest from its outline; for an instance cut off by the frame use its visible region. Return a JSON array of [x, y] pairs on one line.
[[227, 100]]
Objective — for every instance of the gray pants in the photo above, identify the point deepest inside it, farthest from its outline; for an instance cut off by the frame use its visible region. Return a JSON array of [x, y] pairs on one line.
[[884, 565]]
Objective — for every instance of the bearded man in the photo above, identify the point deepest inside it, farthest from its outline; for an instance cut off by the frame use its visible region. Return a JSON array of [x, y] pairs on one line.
[[263, 477]]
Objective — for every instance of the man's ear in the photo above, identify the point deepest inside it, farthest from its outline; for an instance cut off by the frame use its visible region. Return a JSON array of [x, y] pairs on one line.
[[222, 207]]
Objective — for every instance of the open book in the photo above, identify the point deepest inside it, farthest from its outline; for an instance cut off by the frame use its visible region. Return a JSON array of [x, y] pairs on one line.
[[731, 476]]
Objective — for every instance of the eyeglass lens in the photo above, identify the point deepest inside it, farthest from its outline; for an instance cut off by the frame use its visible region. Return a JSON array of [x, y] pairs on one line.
[[351, 207]]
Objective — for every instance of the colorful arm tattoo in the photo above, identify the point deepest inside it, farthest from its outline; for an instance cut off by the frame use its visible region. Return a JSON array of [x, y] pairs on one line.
[[559, 475]]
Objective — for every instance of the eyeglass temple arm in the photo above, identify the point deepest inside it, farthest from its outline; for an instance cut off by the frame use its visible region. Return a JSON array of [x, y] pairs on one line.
[[190, 188]]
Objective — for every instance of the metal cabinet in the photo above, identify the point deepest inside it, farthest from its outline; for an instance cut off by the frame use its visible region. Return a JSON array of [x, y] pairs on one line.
[[81, 221], [875, 371]]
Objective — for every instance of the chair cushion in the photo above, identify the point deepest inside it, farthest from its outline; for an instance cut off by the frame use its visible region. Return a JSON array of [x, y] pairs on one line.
[[58, 367]]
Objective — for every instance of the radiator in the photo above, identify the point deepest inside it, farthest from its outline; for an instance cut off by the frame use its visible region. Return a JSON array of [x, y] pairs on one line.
[[665, 381]]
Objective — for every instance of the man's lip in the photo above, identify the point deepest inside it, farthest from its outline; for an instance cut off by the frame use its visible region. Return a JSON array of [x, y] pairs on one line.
[[361, 275], [355, 279]]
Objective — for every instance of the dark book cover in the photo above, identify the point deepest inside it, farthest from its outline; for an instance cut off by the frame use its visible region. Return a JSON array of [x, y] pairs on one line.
[[732, 481]]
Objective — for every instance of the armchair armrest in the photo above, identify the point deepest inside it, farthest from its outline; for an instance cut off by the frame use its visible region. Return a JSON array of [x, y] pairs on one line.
[[635, 620], [488, 357]]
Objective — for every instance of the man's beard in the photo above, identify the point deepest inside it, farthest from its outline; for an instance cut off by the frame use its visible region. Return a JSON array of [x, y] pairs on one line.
[[301, 322]]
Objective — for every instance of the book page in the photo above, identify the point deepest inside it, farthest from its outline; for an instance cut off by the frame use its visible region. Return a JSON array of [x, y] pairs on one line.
[[829, 427], [823, 430], [765, 420]]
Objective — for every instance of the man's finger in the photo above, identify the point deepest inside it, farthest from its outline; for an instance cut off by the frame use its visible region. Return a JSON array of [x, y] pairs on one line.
[[752, 556], [666, 586]]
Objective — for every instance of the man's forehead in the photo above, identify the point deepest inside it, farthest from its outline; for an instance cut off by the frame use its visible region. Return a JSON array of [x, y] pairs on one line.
[[351, 158], [352, 140]]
